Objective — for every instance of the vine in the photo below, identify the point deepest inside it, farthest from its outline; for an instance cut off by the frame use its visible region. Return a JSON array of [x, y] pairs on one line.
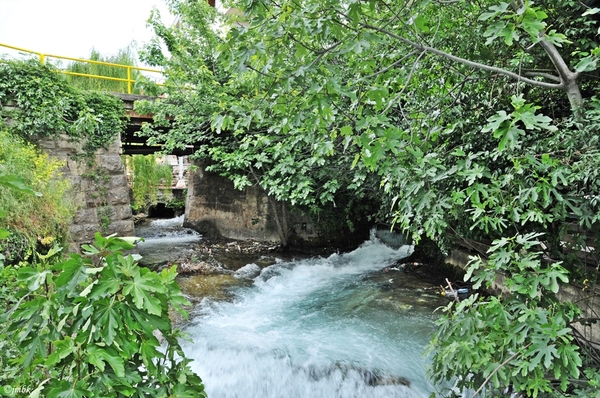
[[40, 103], [147, 178]]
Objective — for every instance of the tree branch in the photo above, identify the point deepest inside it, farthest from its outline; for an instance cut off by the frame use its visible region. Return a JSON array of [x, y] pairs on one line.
[[497, 369], [472, 64], [390, 66], [544, 75]]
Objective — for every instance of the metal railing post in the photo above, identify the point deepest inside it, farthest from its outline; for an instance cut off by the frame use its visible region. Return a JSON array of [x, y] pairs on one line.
[[129, 80]]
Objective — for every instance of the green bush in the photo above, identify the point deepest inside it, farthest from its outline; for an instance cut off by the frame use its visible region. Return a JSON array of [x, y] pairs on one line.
[[97, 325], [38, 102], [522, 339], [33, 219]]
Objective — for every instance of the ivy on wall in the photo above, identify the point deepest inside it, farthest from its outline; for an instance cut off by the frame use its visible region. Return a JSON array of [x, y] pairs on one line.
[[36, 102]]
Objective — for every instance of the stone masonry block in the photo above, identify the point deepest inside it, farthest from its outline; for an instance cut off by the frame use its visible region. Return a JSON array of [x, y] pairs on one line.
[[122, 228], [112, 164], [118, 196], [86, 216], [118, 213]]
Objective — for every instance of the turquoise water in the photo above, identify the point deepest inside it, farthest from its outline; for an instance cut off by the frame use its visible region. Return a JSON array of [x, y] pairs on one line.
[[319, 327]]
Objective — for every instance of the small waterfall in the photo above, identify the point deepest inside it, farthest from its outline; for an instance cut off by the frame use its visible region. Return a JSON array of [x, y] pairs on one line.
[[164, 240], [318, 328]]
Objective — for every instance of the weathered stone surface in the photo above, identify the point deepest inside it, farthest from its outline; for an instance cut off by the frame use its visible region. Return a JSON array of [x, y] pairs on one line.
[[588, 301], [205, 227], [121, 212], [65, 144], [121, 228], [85, 216], [89, 230], [111, 163], [118, 195], [76, 230], [118, 180], [101, 187], [216, 209]]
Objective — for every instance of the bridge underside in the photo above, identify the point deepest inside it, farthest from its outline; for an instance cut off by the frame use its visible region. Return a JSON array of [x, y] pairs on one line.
[[132, 142]]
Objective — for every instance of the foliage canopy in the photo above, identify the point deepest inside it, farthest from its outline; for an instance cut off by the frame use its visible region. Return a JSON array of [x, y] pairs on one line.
[[462, 119]]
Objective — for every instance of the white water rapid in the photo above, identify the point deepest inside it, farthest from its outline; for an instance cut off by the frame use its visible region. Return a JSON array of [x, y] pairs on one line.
[[317, 328], [164, 240]]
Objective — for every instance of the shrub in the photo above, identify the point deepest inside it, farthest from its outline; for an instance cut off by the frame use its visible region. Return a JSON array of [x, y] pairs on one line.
[[33, 219], [92, 326]]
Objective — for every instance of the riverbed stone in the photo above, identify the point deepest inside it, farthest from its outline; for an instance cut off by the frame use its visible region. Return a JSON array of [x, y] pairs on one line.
[[248, 271]]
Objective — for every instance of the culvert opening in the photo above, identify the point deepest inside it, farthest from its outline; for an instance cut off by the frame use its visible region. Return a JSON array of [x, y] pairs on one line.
[[161, 211]]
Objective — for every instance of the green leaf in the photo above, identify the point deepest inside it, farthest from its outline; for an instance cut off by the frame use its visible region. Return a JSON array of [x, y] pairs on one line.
[[346, 131], [587, 64], [89, 250], [32, 277], [421, 23], [591, 11], [494, 11], [67, 390], [183, 391], [140, 289], [97, 355], [62, 349], [35, 348], [72, 272], [509, 137], [18, 184], [107, 318], [38, 390]]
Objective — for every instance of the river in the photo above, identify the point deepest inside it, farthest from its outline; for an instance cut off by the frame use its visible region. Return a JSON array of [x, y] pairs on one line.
[[325, 327]]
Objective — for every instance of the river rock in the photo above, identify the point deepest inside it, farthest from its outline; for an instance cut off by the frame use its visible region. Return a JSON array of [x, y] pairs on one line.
[[371, 377], [200, 267], [248, 271]]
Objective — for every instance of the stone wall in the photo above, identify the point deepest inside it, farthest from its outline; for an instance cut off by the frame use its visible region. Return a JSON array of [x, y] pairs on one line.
[[100, 192], [216, 209]]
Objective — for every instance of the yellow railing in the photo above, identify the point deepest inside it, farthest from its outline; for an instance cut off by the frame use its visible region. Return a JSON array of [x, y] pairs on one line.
[[129, 68]]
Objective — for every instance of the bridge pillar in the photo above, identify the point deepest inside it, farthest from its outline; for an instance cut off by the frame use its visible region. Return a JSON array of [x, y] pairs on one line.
[[216, 209], [100, 193]]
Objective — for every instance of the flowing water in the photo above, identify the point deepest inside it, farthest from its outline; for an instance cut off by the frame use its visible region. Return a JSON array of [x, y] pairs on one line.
[[318, 327], [164, 240]]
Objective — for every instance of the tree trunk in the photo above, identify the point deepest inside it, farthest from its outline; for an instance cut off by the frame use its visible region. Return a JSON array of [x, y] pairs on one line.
[[280, 220], [568, 78]]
